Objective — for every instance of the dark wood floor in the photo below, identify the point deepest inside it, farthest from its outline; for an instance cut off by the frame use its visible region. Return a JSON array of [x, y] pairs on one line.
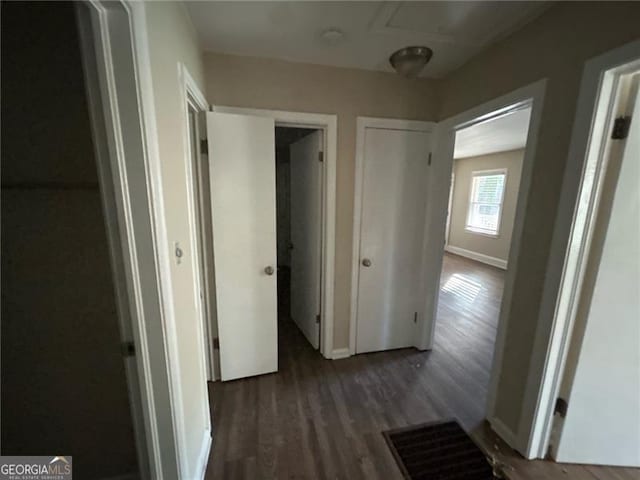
[[323, 419]]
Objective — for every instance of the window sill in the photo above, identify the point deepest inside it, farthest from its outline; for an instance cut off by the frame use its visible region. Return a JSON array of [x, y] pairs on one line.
[[480, 232]]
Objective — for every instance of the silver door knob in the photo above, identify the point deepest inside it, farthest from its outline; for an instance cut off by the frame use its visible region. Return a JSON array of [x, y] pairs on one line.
[[366, 262], [268, 270]]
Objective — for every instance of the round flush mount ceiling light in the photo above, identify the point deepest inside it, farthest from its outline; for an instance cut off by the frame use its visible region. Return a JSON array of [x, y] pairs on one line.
[[332, 35], [410, 61]]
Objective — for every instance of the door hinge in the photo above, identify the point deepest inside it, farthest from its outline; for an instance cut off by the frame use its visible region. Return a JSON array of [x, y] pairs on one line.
[[204, 146], [415, 317], [621, 128], [128, 349], [429, 162], [216, 343], [318, 318], [561, 407], [321, 156]]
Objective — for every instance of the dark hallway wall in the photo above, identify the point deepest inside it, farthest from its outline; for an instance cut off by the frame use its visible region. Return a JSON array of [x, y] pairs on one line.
[[63, 381]]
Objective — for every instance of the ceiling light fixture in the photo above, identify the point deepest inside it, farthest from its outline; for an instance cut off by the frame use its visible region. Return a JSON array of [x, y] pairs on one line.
[[410, 61]]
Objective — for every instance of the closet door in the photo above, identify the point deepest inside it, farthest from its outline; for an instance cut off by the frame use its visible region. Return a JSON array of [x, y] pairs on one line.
[[391, 238]]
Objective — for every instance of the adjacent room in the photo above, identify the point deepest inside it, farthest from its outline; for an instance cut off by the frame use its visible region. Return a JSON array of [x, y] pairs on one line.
[[484, 192]]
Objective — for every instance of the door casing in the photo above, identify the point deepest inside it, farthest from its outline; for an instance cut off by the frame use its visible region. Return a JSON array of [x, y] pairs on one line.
[[531, 95], [553, 332]]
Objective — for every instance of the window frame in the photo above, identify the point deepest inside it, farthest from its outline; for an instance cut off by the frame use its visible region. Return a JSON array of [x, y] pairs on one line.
[[485, 173]]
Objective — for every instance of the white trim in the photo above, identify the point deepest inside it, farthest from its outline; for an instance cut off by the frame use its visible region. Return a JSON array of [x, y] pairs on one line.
[[479, 257], [203, 456], [442, 163], [126, 90], [395, 124], [503, 431], [452, 186], [563, 273], [156, 207], [94, 47], [329, 124], [191, 95], [339, 353], [362, 123]]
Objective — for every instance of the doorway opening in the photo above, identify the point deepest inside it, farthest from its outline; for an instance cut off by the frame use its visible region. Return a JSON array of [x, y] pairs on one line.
[[486, 183], [198, 173], [315, 139], [299, 226]]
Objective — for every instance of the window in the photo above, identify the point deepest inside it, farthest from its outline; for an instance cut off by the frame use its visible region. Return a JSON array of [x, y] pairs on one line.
[[485, 201]]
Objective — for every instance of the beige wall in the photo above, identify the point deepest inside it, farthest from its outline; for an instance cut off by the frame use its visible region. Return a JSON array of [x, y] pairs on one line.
[[273, 84], [554, 46], [496, 247], [172, 39]]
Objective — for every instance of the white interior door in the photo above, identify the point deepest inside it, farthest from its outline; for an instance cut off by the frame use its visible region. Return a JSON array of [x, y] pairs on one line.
[[391, 238], [243, 199], [602, 425], [306, 224]]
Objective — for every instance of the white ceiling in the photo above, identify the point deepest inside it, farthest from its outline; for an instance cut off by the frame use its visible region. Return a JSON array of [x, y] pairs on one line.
[[508, 132], [455, 31]]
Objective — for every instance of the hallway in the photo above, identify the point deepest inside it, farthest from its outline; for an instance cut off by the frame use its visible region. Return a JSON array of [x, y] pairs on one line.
[[318, 418]]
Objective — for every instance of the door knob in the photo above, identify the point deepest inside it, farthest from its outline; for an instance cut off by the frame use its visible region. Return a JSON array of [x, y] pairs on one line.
[[268, 270], [366, 262]]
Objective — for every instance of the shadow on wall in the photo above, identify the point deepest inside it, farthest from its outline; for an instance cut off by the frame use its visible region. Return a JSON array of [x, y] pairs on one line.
[[63, 379]]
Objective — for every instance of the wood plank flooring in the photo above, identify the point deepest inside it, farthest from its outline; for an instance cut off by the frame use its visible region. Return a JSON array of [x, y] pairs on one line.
[[322, 419]]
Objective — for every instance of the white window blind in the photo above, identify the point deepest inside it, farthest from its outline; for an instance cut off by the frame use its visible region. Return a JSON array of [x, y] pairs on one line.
[[485, 201]]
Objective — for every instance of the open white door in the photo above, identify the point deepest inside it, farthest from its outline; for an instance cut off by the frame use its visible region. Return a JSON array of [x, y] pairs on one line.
[[306, 225], [243, 200]]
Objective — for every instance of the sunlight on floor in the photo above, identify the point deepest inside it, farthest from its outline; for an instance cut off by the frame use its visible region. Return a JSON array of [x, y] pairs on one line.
[[462, 287]]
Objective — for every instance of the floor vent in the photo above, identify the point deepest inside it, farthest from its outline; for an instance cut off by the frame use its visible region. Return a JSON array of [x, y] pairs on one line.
[[440, 451]]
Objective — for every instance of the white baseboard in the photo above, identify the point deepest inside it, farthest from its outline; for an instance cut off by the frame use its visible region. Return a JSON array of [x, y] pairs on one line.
[[504, 432], [203, 458], [479, 257], [339, 353]]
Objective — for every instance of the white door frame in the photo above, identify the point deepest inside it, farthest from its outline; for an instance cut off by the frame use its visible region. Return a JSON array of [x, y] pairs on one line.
[[129, 164], [447, 231], [112, 204], [329, 125], [193, 97], [571, 238], [530, 95], [362, 123]]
